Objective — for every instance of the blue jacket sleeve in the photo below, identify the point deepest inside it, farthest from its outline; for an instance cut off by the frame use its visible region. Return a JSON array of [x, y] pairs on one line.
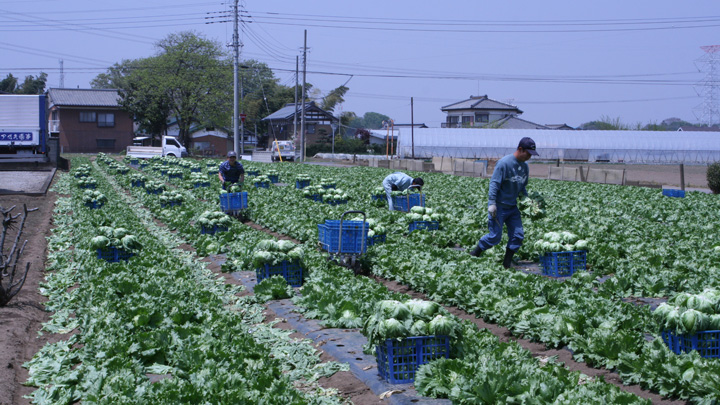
[[495, 182]]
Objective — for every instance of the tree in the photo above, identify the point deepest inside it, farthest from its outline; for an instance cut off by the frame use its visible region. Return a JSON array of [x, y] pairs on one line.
[[8, 84], [31, 84], [187, 80], [605, 124], [334, 98], [374, 120]]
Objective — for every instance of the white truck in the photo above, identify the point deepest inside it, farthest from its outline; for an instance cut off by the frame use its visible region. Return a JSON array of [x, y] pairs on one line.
[[170, 147], [284, 150], [23, 128]]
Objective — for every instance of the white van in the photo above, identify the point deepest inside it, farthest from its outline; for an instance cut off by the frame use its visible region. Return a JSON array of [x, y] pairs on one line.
[[284, 149]]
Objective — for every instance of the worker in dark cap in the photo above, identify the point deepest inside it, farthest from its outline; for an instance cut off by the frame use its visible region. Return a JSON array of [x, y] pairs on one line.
[[509, 179], [399, 181], [231, 171]]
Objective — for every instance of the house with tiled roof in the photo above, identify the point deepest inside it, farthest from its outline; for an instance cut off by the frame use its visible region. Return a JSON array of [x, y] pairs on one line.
[[89, 120], [484, 112], [318, 123]]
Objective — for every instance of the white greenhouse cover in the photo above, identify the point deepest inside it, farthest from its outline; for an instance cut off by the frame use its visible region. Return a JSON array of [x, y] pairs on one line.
[[592, 146]]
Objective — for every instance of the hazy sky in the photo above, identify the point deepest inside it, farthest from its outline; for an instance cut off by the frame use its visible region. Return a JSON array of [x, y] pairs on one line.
[[558, 61]]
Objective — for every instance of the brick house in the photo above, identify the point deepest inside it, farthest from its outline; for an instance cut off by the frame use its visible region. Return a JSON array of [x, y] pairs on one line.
[[89, 120]]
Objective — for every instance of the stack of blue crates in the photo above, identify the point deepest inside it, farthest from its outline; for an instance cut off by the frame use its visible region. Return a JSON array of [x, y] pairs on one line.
[[274, 178], [292, 272], [232, 202], [374, 240], [424, 225], [398, 360], [212, 230], [669, 192], [354, 236], [706, 343], [113, 254], [405, 202], [563, 264]]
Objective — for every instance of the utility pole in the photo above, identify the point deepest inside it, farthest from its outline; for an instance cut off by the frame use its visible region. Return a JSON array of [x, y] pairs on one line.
[[62, 74], [297, 77], [412, 128], [242, 118], [302, 96], [236, 61]]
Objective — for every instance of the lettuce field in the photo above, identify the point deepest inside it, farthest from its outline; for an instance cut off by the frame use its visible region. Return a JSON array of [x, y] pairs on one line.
[[160, 327]]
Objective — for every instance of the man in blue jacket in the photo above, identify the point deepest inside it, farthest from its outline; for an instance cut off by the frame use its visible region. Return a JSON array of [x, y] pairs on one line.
[[399, 181], [509, 179], [231, 171]]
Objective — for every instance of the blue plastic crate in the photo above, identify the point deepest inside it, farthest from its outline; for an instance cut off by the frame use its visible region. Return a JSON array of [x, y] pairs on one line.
[[88, 186], [378, 197], [134, 161], [424, 225], [171, 204], [670, 192], [163, 171], [302, 183], [94, 205], [234, 201], [405, 202], [252, 172], [113, 254], [292, 272], [158, 191], [195, 170], [274, 178], [262, 185], [337, 202], [212, 230], [212, 172], [175, 176], [143, 165], [138, 183], [706, 343], [315, 197], [398, 360], [202, 184], [374, 240], [327, 186], [353, 236], [563, 264]]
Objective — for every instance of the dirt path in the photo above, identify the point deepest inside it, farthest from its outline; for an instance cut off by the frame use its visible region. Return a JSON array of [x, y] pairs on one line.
[[21, 319]]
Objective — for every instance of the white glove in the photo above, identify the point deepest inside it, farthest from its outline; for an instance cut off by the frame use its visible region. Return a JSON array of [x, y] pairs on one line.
[[492, 210]]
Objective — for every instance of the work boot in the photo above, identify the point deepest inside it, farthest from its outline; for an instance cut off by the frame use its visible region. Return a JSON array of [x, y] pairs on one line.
[[507, 261], [477, 252]]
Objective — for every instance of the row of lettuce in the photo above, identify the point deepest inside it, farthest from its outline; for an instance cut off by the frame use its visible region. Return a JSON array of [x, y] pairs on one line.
[[643, 239], [482, 368], [159, 328]]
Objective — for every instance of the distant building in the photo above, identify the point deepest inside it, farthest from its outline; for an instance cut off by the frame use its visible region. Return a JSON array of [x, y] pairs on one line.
[[699, 129], [483, 112], [212, 141], [89, 120], [318, 123], [560, 126]]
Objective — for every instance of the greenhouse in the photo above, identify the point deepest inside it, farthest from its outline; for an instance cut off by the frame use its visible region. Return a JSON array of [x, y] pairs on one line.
[[655, 147]]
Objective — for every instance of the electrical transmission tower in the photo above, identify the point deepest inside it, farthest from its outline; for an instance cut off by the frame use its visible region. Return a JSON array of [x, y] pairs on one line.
[[709, 87]]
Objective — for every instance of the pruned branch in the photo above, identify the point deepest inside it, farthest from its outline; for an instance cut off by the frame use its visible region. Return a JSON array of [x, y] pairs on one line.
[[9, 284]]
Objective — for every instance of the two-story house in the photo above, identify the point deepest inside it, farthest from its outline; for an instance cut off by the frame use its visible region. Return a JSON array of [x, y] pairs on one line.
[[89, 120], [318, 123], [483, 112]]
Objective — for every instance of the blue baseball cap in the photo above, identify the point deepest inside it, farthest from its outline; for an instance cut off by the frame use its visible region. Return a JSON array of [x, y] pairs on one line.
[[529, 145]]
